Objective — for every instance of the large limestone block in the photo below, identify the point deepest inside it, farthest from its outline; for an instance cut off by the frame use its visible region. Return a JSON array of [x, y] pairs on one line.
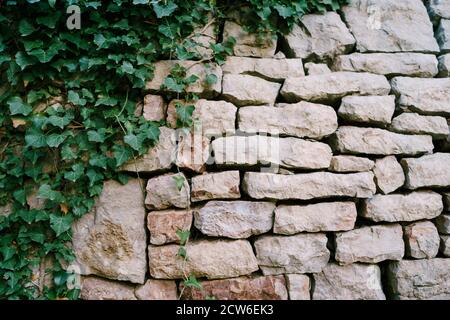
[[298, 286], [284, 152], [213, 259], [303, 119], [192, 150], [370, 244], [163, 225], [163, 192], [443, 223], [247, 44], [93, 288], [390, 26], [403, 207], [425, 96], [389, 64], [352, 282], [414, 123], [367, 109], [374, 141], [350, 164], [421, 240], [331, 87], [154, 108], [302, 253], [159, 157], [244, 90], [110, 240], [157, 290], [241, 288], [427, 171], [328, 216], [444, 65], [221, 185], [316, 68], [319, 36], [438, 9], [269, 69], [307, 186], [443, 36], [200, 87], [427, 279], [389, 174], [234, 219]]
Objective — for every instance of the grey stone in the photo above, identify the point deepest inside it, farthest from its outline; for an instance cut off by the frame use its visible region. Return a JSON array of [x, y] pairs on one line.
[[389, 174], [443, 35], [438, 9], [163, 192], [443, 223], [370, 109], [414, 123], [444, 66], [427, 171], [421, 240], [445, 246], [316, 68], [298, 286], [350, 164]]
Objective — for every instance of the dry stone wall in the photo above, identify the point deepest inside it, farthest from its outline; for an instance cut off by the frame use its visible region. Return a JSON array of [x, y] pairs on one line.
[[318, 168]]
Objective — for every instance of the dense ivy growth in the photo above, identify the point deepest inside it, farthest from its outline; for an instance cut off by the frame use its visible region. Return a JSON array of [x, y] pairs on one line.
[[67, 111]]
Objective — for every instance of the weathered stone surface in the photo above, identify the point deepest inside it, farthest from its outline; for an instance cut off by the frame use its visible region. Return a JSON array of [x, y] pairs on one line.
[[234, 219], [380, 142], [389, 174], [110, 240], [427, 279], [213, 259], [443, 35], [417, 124], [203, 36], [319, 36], [212, 118], [33, 201], [5, 210], [303, 119], [390, 26], [398, 207], [421, 240], [446, 198], [308, 185], [200, 87], [158, 158], [157, 290], [316, 68], [425, 96], [241, 288], [163, 225], [369, 109], [389, 64], [350, 164], [427, 171], [93, 288], [438, 9], [269, 69], [193, 150], [370, 244], [444, 65], [154, 108], [247, 44], [221, 185], [302, 253], [352, 282], [333, 86], [445, 246], [244, 90], [443, 223], [298, 286], [163, 193], [284, 152], [332, 216]]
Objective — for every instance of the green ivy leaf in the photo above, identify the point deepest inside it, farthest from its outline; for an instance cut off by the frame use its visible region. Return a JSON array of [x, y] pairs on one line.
[[183, 235], [23, 60], [179, 181], [164, 10], [25, 28], [46, 192], [55, 139], [60, 224], [121, 154], [17, 106], [97, 135], [133, 141], [76, 173], [74, 97], [35, 139]]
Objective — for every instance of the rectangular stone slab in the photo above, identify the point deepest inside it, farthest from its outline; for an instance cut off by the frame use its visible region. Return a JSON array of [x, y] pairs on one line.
[[427, 171]]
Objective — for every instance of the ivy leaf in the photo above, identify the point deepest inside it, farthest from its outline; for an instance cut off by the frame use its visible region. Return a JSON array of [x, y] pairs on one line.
[[97, 135], [8, 252], [179, 181], [25, 28], [17, 106], [74, 97], [60, 224], [55, 139], [164, 10], [76, 173], [46, 192], [184, 114], [94, 176], [211, 79], [21, 196], [192, 281], [100, 40], [133, 141], [127, 67], [183, 235], [35, 139], [121, 154], [172, 85], [23, 60], [153, 133], [58, 121], [140, 1]]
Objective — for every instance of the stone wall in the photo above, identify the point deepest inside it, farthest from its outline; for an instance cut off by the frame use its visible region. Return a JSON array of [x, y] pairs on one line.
[[318, 168]]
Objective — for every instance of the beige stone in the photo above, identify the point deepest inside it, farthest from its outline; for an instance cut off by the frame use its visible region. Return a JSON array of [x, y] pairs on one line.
[[110, 240], [163, 225], [234, 219], [301, 253], [389, 64], [358, 140], [389, 174], [369, 109], [307, 186], [427, 171], [370, 244], [443, 223], [157, 290], [163, 193], [316, 68], [154, 108], [93, 288], [327, 216], [445, 246], [244, 90], [352, 282], [213, 259], [421, 240], [350, 164], [6, 210], [303, 119], [220, 185], [333, 86], [298, 286], [192, 150], [283, 152], [414, 123]]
